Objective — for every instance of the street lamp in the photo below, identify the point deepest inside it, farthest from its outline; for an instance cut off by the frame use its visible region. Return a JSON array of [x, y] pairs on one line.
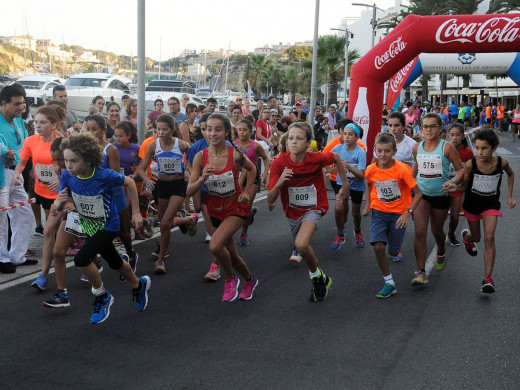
[[347, 36], [373, 22]]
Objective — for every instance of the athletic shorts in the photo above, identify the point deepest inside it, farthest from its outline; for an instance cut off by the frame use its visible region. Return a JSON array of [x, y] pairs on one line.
[[295, 224], [334, 185], [477, 217], [216, 222], [355, 196], [382, 229], [438, 202], [204, 197], [167, 189], [46, 203]]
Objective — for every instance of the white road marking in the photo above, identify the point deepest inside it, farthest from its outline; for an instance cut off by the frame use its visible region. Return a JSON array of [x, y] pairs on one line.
[[501, 151]]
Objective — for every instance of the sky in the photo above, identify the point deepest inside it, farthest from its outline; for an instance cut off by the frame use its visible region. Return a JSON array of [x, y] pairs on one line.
[[173, 25]]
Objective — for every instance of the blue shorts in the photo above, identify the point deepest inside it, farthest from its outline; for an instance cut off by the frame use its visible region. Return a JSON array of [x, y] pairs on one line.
[[382, 229]]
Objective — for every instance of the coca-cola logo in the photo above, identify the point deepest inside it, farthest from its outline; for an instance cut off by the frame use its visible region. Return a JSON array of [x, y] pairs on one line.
[[362, 120], [498, 29], [396, 81], [394, 49]]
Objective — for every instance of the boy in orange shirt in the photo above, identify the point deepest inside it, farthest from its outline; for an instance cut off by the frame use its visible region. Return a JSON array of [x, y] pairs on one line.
[[390, 183]]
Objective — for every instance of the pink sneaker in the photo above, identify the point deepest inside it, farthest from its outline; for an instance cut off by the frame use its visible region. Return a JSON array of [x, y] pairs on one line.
[[213, 273], [249, 287], [230, 289]]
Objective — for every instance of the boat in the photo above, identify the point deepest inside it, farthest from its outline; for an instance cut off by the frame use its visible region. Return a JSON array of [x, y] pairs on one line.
[[36, 87], [165, 89], [82, 88]]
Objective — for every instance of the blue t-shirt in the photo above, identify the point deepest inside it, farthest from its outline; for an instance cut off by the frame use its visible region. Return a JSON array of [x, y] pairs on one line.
[[358, 159], [9, 133], [454, 108], [94, 199], [179, 118]]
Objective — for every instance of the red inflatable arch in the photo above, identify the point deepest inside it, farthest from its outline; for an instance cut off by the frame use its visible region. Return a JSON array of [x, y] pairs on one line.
[[422, 34]]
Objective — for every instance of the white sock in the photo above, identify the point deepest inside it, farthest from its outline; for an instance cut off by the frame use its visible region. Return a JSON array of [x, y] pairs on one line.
[[388, 279], [314, 274]]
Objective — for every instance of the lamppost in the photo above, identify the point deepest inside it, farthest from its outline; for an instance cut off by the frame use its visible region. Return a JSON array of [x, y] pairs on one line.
[[314, 58], [373, 22], [348, 35]]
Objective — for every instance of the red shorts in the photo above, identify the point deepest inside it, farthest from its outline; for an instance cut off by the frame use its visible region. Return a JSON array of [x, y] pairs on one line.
[[476, 217], [457, 194]]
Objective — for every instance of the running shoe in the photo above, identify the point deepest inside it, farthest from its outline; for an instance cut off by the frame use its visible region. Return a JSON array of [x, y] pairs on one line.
[[213, 273], [360, 243], [149, 228], [452, 240], [420, 278], [337, 243], [295, 257], [72, 252], [83, 278], [230, 289], [40, 283], [320, 287], [249, 287], [183, 228], [243, 240], [440, 262], [192, 230], [397, 258], [254, 210], [386, 291], [101, 308], [133, 261], [208, 237], [160, 269], [156, 252], [139, 236], [488, 286], [60, 299], [117, 241], [470, 247], [38, 231], [140, 295]]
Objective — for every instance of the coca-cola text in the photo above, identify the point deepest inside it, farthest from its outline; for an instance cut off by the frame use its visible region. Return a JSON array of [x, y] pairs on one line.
[[394, 49], [396, 81], [499, 29]]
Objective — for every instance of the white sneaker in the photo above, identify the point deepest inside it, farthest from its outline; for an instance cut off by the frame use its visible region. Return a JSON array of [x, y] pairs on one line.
[[208, 237]]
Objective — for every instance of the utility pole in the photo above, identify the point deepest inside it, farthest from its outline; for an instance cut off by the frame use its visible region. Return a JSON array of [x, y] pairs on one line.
[[347, 37], [314, 61], [373, 22]]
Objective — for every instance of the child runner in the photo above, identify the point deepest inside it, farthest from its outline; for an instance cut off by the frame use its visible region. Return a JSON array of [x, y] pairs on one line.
[[456, 134], [482, 180], [297, 177], [354, 158], [390, 183], [432, 166], [228, 205], [253, 150], [168, 151], [92, 189]]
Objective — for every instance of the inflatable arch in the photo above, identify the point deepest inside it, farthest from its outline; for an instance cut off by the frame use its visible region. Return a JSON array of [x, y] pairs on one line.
[[494, 33]]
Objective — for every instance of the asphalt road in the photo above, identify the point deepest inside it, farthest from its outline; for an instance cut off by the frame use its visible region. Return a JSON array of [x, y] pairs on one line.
[[446, 335]]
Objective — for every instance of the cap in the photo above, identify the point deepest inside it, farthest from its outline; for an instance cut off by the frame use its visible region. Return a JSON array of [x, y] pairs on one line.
[[238, 98], [125, 97], [273, 111], [298, 103]]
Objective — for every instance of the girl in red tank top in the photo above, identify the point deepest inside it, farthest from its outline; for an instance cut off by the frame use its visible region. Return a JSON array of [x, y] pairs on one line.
[[228, 205]]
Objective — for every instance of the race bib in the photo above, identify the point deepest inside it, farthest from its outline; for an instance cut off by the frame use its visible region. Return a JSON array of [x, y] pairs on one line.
[[90, 207], [46, 173], [221, 185], [485, 185], [170, 165], [73, 225], [303, 197], [517, 116], [350, 175], [430, 165], [388, 191]]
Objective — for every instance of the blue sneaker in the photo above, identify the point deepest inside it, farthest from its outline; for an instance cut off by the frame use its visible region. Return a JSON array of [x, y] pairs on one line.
[[387, 290], [338, 241], [101, 308], [141, 295], [40, 283], [397, 258]]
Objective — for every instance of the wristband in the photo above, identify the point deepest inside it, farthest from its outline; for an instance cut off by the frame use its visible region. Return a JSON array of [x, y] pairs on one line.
[[455, 181]]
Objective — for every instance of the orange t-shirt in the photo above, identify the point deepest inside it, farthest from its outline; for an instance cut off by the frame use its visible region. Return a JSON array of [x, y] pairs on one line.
[[500, 112], [142, 152], [336, 141], [488, 112], [391, 188], [45, 171]]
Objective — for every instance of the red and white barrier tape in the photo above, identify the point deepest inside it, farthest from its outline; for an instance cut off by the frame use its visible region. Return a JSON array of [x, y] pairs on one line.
[[18, 204]]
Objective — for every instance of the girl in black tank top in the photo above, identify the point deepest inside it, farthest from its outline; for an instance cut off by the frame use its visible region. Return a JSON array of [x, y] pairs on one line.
[[482, 180]]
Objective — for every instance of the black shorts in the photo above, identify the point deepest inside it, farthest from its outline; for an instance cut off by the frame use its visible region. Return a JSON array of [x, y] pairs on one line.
[[46, 203], [334, 186], [167, 189], [216, 222], [204, 197], [355, 196], [438, 202]]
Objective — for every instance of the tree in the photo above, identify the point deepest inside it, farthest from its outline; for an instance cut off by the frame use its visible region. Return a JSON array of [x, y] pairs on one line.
[[503, 6], [291, 81], [299, 53], [257, 63], [272, 76], [463, 7]]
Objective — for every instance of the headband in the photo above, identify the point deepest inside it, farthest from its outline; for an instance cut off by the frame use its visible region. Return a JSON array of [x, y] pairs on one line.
[[354, 127]]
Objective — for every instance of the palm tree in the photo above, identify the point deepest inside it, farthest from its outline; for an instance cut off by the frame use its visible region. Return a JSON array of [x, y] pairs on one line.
[[272, 75], [331, 62], [503, 6], [256, 66], [463, 7], [291, 80]]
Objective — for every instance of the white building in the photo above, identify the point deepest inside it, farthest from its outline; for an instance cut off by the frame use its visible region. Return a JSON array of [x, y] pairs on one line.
[[265, 50], [196, 70], [21, 41]]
